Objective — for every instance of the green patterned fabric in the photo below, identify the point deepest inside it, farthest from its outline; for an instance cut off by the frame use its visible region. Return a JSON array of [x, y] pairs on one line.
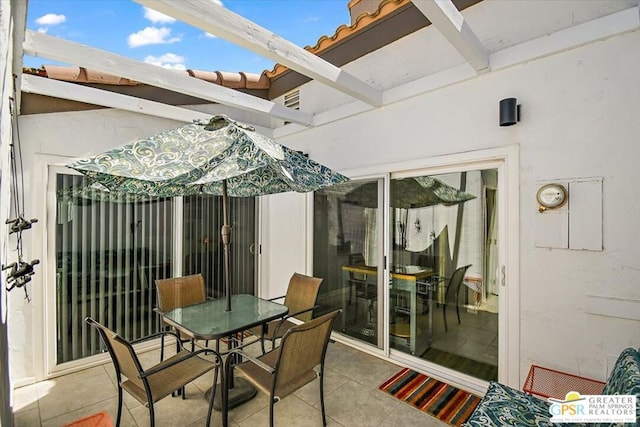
[[505, 406], [197, 158], [625, 379], [408, 193], [88, 194]]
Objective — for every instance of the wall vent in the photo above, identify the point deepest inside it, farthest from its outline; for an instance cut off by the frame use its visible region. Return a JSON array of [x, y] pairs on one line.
[[292, 99]]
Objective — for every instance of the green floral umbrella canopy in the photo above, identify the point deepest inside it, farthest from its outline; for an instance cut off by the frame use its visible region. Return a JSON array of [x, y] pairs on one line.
[[88, 194], [220, 157], [409, 193], [198, 158]]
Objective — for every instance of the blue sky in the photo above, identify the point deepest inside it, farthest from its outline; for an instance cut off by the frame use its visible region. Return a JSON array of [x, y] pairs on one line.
[[131, 30]]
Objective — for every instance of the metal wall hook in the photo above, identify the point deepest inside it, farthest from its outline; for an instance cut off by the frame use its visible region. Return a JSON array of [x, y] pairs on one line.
[[19, 224]]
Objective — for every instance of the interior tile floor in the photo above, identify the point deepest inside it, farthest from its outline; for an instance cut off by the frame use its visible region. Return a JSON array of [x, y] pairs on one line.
[[475, 338], [352, 398]]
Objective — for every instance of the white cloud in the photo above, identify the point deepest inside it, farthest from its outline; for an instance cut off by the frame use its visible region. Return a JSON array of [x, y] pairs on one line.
[[151, 35], [157, 17], [168, 60], [210, 36], [51, 19], [43, 30]]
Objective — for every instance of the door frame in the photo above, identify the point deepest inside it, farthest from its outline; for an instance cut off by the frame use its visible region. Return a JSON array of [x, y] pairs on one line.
[[506, 160]]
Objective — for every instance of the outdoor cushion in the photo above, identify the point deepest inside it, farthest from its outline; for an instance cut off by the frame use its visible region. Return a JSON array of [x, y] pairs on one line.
[[505, 406]]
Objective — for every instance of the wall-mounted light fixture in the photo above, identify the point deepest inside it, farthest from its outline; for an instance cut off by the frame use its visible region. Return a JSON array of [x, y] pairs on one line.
[[509, 112]]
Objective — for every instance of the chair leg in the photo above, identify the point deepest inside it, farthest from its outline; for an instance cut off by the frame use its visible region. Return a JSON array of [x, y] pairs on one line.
[[444, 306], [182, 390], [227, 377], [119, 415], [161, 347], [444, 314], [458, 302], [152, 415], [213, 395], [272, 401], [324, 418], [262, 341]]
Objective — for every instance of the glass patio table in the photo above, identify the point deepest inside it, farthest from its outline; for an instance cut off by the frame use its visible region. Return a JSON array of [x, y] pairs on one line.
[[210, 321]]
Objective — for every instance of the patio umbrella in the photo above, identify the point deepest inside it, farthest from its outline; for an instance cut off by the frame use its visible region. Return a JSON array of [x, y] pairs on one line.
[[219, 157], [88, 194], [409, 193]]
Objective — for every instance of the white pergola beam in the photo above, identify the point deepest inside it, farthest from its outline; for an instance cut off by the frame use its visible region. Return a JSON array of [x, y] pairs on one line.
[[19, 19], [61, 50], [80, 93], [215, 19], [74, 92], [444, 15]]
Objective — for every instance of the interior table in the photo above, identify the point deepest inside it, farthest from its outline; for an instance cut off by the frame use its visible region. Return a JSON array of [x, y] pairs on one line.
[[210, 321], [412, 280]]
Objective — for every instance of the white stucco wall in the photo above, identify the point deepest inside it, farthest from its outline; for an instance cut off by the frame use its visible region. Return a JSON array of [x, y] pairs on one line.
[[7, 245], [580, 113], [579, 119], [51, 139]]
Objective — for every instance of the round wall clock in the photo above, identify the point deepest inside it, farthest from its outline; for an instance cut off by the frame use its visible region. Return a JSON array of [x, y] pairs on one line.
[[551, 196]]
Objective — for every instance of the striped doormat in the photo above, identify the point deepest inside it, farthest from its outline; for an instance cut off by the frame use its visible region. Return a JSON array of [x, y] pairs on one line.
[[438, 399]]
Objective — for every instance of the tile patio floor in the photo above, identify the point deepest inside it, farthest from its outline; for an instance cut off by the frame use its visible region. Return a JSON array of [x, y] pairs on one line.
[[351, 398]]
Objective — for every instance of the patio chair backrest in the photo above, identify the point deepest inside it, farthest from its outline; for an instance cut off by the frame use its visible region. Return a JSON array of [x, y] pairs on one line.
[[303, 348], [302, 294], [124, 358], [182, 291]]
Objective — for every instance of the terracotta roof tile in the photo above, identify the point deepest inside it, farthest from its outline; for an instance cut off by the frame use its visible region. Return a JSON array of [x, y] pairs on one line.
[[82, 75], [232, 80], [256, 81], [207, 76], [343, 31], [239, 80]]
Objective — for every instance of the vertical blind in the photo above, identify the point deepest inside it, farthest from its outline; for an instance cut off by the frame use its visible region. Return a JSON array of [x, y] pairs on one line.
[[202, 246], [110, 249]]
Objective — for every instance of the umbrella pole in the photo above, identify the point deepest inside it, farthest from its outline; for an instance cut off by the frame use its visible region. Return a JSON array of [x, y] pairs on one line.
[[226, 240]]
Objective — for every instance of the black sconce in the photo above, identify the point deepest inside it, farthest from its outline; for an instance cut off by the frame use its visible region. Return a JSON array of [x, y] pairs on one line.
[[509, 112]]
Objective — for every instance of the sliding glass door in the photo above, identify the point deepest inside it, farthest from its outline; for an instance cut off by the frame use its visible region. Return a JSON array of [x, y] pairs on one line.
[[443, 296], [110, 249], [436, 237], [348, 253], [202, 249]]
